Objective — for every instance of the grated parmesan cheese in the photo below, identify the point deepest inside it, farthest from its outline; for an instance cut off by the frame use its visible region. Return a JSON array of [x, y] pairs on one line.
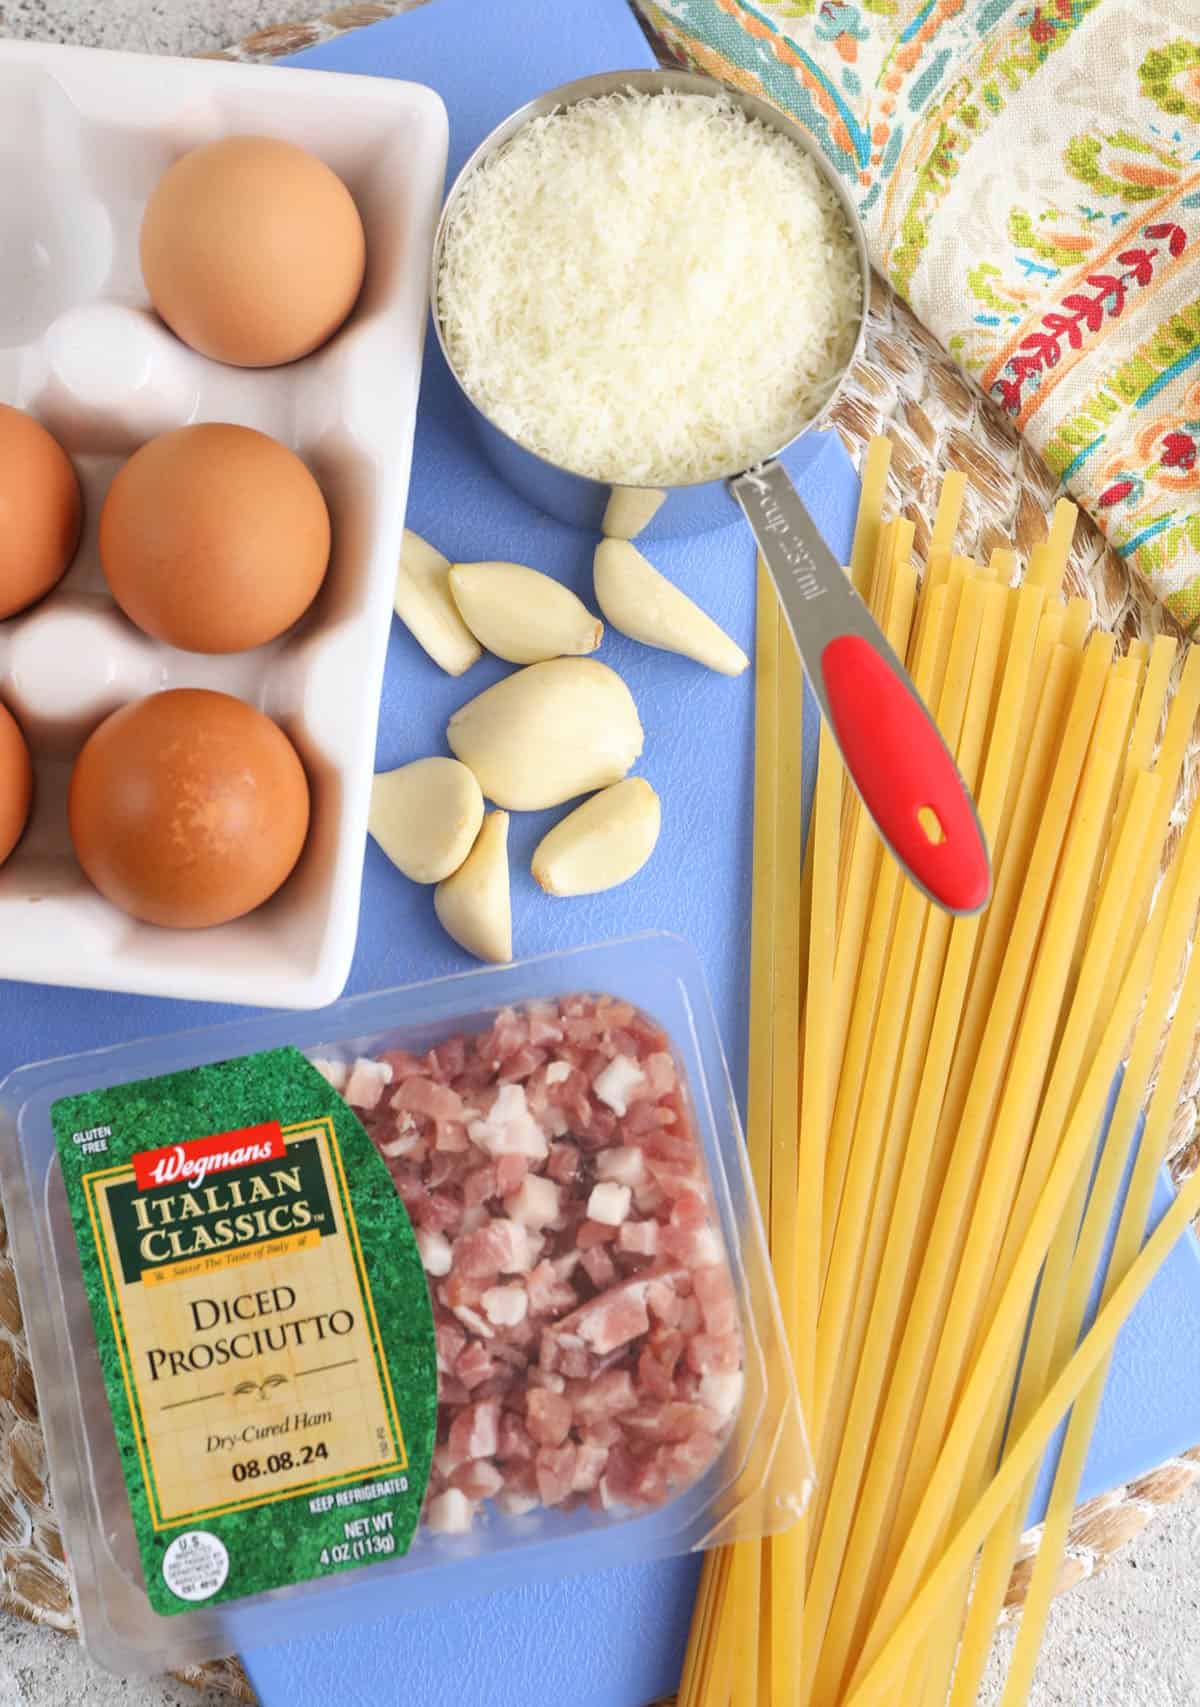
[[649, 289]]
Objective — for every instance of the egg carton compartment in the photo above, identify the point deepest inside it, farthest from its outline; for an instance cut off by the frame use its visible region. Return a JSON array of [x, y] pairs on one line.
[[87, 137]]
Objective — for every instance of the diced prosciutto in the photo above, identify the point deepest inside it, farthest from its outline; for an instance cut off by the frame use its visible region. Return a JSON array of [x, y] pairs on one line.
[[544, 1026], [572, 1356], [450, 1341], [480, 1185], [471, 1319], [689, 1236], [723, 1393], [663, 1302], [611, 1395], [426, 1097], [624, 1163], [590, 1460], [698, 1247], [556, 1473], [522, 1064], [516, 1505], [515, 1440], [548, 1379], [498, 1247], [403, 1065], [714, 1354], [510, 1127], [714, 1294], [474, 1365], [659, 1068], [613, 1319], [548, 1417], [605, 1433], [451, 1513], [673, 1179], [638, 1238], [594, 1233], [588, 1341], [617, 1083], [689, 1212], [405, 1143], [689, 1321], [536, 1204], [510, 1174], [334, 1073], [654, 1130], [447, 1062], [451, 1137], [673, 1422], [479, 1480], [366, 1083], [609, 1204], [548, 1294], [649, 1123], [657, 1364], [474, 1431], [601, 1270], [598, 1127], [435, 1251], [439, 1212], [648, 1199], [690, 1457], [505, 1306], [566, 1264]]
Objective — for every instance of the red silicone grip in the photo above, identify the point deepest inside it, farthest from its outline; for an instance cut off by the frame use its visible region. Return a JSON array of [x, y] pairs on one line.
[[900, 768]]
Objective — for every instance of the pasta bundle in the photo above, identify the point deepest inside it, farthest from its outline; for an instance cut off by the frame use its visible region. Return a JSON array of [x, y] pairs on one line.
[[927, 1097]]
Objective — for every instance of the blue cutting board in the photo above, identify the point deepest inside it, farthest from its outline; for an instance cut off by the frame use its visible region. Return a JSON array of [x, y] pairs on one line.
[[612, 1639]]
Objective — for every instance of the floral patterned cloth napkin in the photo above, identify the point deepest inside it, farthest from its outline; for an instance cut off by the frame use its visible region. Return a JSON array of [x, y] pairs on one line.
[[1029, 178]]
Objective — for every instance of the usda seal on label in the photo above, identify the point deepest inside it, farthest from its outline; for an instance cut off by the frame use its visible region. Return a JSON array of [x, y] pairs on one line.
[[195, 1565]]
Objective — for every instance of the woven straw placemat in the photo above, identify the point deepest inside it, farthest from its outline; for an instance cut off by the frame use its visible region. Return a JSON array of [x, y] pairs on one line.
[[907, 386]]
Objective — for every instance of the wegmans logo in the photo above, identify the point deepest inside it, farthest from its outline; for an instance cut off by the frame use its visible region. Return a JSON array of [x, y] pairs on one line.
[[199, 1157]]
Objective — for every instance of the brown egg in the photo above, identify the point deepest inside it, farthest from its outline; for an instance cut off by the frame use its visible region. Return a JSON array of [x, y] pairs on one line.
[[214, 538], [252, 251], [16, 783], [40, 511], [188, 809]]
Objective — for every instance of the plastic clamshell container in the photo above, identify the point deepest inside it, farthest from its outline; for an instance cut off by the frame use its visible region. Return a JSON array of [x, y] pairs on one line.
[[757, 1485], [86, 137]]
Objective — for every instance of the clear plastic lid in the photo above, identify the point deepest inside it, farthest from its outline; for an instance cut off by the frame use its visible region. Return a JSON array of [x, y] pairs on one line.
[[612, 1382]]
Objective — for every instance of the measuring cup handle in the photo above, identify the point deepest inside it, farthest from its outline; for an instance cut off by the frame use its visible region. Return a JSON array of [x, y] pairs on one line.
[[892, 748]]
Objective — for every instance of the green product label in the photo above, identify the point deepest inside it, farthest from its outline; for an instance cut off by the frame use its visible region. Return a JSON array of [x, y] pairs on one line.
[[263, 1324]]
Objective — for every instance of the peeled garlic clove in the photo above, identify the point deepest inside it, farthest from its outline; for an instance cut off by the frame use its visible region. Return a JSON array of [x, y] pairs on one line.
[[522, 615], [426, 816], [629, 510], [548, 733], [602, 843], [643, 604], [473, 905], [425, 604]]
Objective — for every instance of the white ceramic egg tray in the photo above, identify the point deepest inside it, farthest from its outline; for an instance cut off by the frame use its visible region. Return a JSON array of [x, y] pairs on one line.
[[84, 138]]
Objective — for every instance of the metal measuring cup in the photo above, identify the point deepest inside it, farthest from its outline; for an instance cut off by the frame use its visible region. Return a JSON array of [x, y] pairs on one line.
[[892, 749]]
